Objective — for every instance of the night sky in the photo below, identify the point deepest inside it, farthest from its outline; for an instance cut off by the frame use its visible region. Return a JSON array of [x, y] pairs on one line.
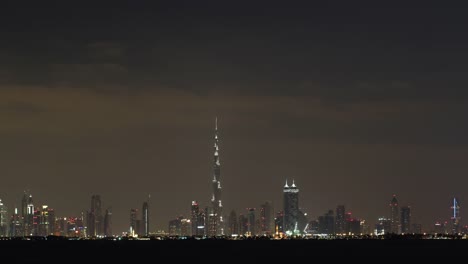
[[356, 103]]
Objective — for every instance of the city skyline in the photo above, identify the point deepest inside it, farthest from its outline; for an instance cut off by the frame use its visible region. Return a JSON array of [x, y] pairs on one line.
[[355, 103], [97, 219]]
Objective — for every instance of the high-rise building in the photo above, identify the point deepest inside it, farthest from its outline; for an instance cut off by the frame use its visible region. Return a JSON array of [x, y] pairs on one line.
[[43, 223], [383, 226], [405, 219], [108, 223], [243, 225], [24, 214], [394, 216], [326, 223], [3, 220], [36, 222], [95, 223], [267, 224], [215, 216], [251, 222], [279, 223], [145, 218], [194, 212], [438, 228], [352, 225], [134, 226], [313, 227], [27, 213], [291, 208], [201, 223], [175, 227], [211, 221], [16, 228], [365, 228], [416, 228], [233, 229], [185, 227], [24, 205], [61, 227], [340, 219], [455, 215], [51, 220]]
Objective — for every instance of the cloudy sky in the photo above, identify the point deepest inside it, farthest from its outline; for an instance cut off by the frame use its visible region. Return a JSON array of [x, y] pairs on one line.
[[356, 103]]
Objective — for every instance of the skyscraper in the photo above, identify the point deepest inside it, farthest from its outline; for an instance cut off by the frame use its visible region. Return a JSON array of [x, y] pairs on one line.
[[27, 213], [251, 230], [394, 216], [95, 217], [326, 223], [175, 226], [266, 219], [43, 228], [340, 219], [216, 221], [3, 220], [197, 220], [405, 219], [291, 208], [279, 223], [145, 218], [24, 205], [185, 227], [455, 215], [233, 224], [16, 229], [51, 221], [108, 223], [383, 226], [134, 226], [243, 225]]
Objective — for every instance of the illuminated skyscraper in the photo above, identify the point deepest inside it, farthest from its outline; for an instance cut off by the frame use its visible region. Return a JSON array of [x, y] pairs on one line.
[[394, 216], [405, 219], [27, 213], [43, 228], [383, 226], [145, 218], [215, 216], [3, 220], [185, 227], [455, 215], [16, 228], [51, 221], [134, 226], [197, 220], [291, 208]]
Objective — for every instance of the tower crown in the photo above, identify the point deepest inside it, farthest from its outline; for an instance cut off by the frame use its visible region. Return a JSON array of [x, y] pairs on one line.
[[293, 185]]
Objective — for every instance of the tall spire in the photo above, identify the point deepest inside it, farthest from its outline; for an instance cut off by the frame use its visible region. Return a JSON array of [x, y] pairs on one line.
[[216, 225]]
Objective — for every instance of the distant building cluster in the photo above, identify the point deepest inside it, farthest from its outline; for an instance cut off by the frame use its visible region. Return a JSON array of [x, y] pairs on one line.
[[32, 220]]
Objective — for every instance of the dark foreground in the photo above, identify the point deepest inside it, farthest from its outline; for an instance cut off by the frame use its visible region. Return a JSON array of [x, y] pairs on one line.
[[86, 251]]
